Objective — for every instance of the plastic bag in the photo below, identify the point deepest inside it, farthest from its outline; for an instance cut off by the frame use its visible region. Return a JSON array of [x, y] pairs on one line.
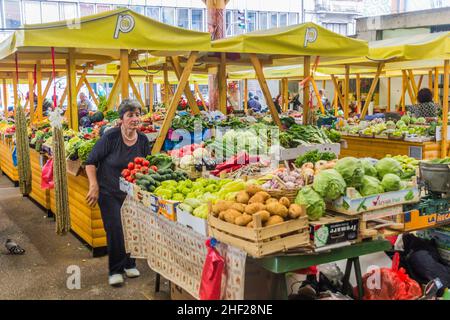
[[14, 157], [210, 286], [47, 175], [391, 284]]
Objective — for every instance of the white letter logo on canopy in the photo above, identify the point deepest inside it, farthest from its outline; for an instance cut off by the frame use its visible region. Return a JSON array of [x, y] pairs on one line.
[[125, 23], [310, 36]]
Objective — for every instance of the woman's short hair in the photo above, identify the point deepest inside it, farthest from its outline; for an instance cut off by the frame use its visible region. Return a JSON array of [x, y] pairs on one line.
[[424, 95], [128, 105]]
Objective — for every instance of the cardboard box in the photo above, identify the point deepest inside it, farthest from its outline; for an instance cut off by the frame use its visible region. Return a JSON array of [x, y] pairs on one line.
[[178, 293], [168, 208], [332, 229], [199, 225], [414, 220], [126, 186], [347, 205]]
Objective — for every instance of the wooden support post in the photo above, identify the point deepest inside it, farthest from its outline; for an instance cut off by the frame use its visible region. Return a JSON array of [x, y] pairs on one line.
[[245, 95], [173, 104], [419, 86], [286, 95], [389, 94], [150, 93], [223, 87], [187, 90], [371, 91], [166, 98], [124, 68], [413, 84], [316, 91], [430, 80], [72, 107], [346, 91], [404, 88], [324, 84], [136, 92], [281, 94], [436, 86], [63, 97], [265, 89], [197, 91], [409, 88], [114, 92], [336, 102], [337, 89], [444, 144], [5, 98], [40, 98], [91, 91], [31, 95], [306, 73], [15, 92], [358, 93], [47, 88]]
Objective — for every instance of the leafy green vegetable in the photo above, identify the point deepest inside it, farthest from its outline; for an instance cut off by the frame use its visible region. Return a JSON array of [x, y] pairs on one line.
[[391, 182], [329, 184], [314, 156], [370, 185], [302, 135], [162, 161], [388, 165], [111, 115], [351, 170], [369, 169], [315, 206], [85, 149]]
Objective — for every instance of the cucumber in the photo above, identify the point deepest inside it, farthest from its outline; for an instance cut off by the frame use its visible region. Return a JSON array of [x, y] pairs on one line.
[[157, 177], [139, 175], [151, 188]]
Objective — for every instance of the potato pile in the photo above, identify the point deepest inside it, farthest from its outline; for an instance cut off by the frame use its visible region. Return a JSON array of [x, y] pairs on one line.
[[253, 200]]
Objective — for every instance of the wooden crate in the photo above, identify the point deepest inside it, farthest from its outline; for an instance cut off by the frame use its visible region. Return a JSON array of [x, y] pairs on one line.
[[382, 223], [73, 167], [261, 241]]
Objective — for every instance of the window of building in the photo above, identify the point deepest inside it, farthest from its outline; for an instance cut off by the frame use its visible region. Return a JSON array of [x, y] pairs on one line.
[[340, 28], [229, 23], [293, 18], [68, 10], [235, 21], [153, 12], [50, 11], [86, 9], [197, 19], [12, 14], [103, 7], [273, 19], [32, 12], [138, 9], [168, 16], [251, 21], [283, 20], [183, 18], [262, 21]]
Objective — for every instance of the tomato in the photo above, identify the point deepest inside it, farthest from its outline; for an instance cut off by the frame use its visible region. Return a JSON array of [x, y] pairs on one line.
[[133, 181], [125, 173], [129, 178], [154, 168], [145, 163], [131, 166], [133, 172], [138, 167], [138, 160]]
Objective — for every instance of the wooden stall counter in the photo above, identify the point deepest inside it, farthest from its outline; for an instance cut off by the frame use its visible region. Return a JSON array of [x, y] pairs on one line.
[[378, 148], [6, 162], [41, 196]]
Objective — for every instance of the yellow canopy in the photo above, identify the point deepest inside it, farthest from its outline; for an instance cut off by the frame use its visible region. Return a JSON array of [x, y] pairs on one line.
[[106, 33], [306, 39]]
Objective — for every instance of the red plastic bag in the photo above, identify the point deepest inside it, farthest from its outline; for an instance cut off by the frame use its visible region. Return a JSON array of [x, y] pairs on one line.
[[47, 175], [210, 287], [390, 284]]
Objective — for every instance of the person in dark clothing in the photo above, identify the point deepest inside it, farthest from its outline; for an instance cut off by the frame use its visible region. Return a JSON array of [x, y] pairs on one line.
[[111, 154], [277, 103], [426, 107], [254, 104]]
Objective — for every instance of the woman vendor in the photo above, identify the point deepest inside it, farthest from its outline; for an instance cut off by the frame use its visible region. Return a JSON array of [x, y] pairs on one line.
[[110, 155], [426, 108]]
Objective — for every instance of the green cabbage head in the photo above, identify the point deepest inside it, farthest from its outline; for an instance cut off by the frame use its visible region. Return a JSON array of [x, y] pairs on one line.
[[369, 168], [391, 182], [315, 206], [351, 169], [370, 185], [329, 184], [388, 165]]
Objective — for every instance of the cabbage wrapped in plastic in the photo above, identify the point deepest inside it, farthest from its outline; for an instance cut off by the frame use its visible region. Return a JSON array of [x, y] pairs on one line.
[[391, 182], [351, 169], [329, 184], [388, 165], [315, 206], [370, 185]]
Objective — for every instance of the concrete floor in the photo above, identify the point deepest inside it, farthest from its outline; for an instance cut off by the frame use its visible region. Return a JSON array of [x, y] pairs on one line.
[[41, 273]]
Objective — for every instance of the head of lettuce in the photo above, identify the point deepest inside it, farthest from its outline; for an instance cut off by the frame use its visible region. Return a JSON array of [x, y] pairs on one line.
[[329, 184]]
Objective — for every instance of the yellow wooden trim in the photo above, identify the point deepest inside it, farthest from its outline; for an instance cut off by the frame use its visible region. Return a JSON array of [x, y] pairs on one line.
[[245, 95], [346, 91], [223, 84], [265, 89], [187, 90], [444, 151], [430, 80], [91, 91], [5, 98], [150, 92], [436, 85], [114, 92], [371, 91], [63, 97], [173, 105], [316, 91], [358, 93], [40, 99], [336, 88], [124, 68], [389, 94], [72, 97], [15, 92], [419, 86], [409, 88]]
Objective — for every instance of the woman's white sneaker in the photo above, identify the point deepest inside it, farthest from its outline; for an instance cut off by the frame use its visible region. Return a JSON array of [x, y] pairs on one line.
[[116, 280], [132, 273]]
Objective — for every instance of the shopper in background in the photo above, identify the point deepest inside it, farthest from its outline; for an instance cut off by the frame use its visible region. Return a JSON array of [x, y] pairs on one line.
[[111, 154], [426, 107], [84, 103], [254, 104]]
